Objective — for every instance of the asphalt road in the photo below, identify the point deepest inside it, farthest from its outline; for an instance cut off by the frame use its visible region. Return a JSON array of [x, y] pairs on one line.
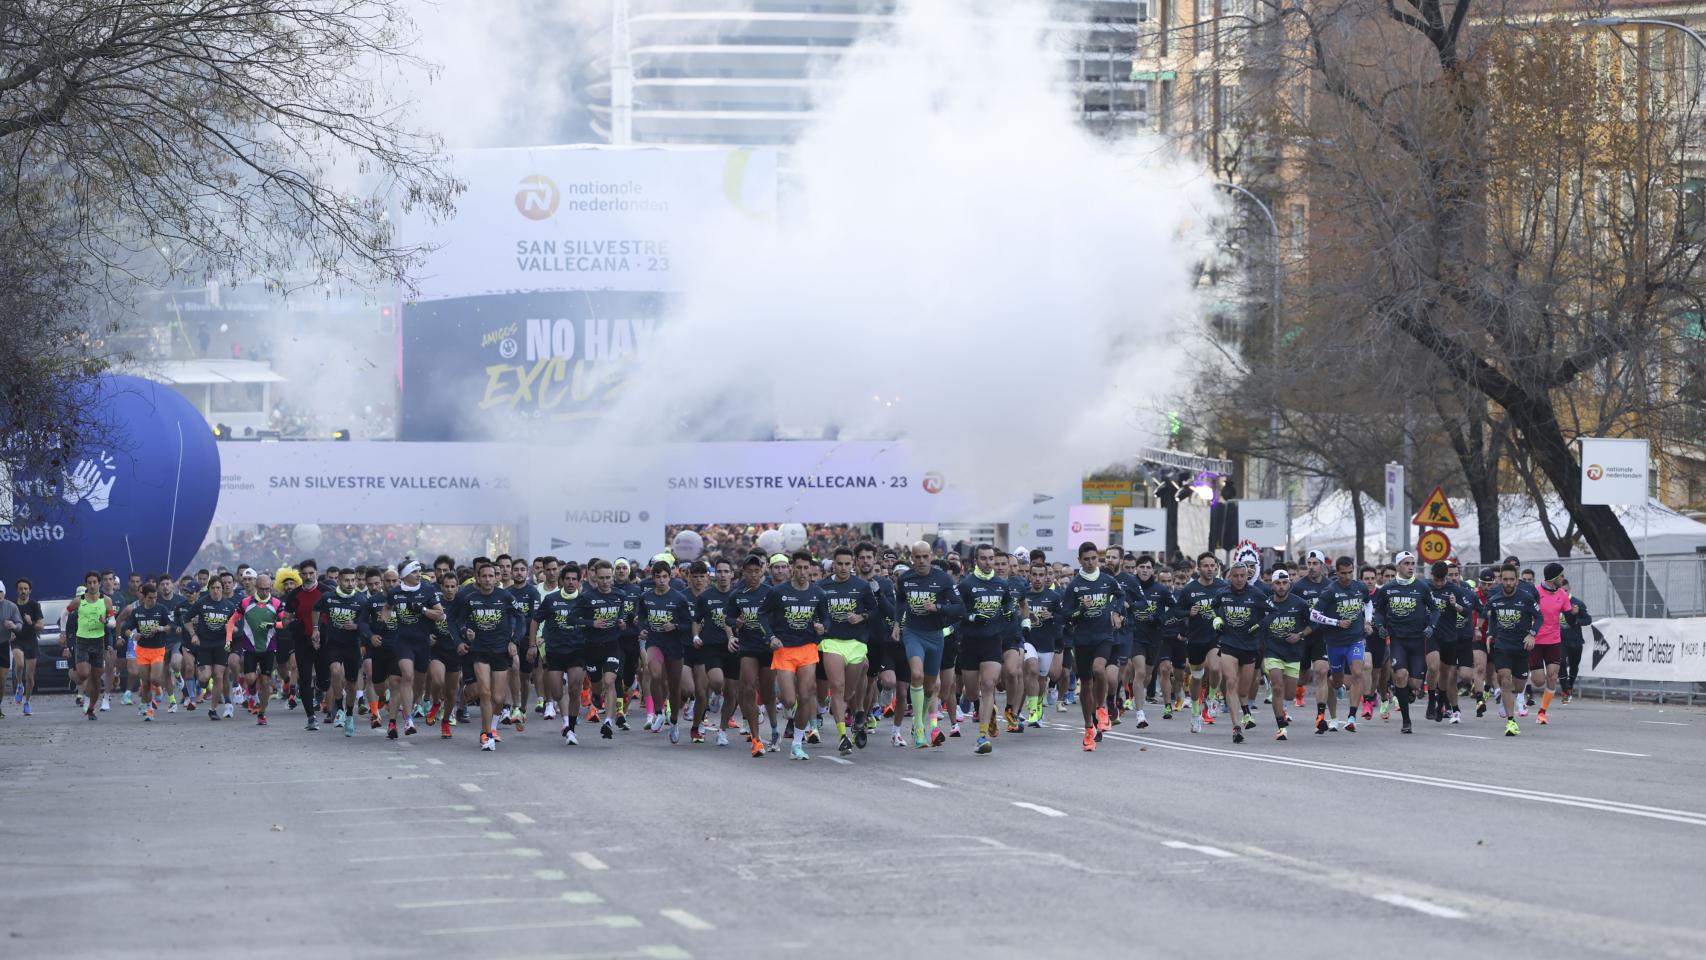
[[1583, 839]]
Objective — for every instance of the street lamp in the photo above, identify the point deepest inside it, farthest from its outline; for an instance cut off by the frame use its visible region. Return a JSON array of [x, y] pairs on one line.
[[1274, 302], [1648, 21]]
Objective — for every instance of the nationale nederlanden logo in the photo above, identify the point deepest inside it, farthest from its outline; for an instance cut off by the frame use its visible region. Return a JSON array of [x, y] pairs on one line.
[[1595, 471], [536, 197]]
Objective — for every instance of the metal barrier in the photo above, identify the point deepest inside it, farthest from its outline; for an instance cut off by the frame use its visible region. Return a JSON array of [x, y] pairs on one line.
[[1666, 586]]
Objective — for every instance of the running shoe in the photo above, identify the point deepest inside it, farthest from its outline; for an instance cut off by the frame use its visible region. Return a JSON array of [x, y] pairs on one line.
[[1300, 696], [1367, 710], [1207, 714], [313, 722], [1249, 722], [1385, 709], [106, 703], [520, 720], [722, 739], [1167, 712], [984, 746], [1456, 716], [1060, 705], [674, 733], [260, 719], [954, 731], [845, 747], [570, 740], [1196, 723], [1406, 728], [125, 699], [697, 735], [937, 739], [18, 693], [1511, 729], [349, 725], [539, 705], [1333, 725], [504, 717], [860, 737], [1089, 738], [487, 743], [1237, 735], [147, 715], [1541, 718], [605, 730], [1102, 722], [758, 748], [812, 737], [1142, 721], [1350, 726], [26, 708], [1503, 713], [899, 739], [551, 710], [1280, 734], [409, 727], [228, 711], [799, 752], [1431, 714], [212, 713], [444, 729], [621, 721], [391, 730], [1521, 707]]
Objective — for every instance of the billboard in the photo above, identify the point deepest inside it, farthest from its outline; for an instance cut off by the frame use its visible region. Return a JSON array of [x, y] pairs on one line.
[[554, 276], [1614, 471]]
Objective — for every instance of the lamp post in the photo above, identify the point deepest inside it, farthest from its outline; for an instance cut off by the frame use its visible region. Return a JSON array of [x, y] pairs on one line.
[[1647, 21], [1272, 485]]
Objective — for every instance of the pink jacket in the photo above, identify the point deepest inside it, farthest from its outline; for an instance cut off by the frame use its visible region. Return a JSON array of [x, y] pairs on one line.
[[1553, 605]]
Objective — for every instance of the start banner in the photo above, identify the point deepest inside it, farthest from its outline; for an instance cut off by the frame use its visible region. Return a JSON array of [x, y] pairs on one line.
[[1627, 648]]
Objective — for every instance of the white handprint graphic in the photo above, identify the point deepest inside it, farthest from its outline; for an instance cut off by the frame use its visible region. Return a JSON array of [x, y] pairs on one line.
[[90, 482]]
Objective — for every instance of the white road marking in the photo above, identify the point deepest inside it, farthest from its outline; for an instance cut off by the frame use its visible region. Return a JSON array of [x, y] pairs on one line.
[[406, 776], [520, 817], [1665, 723], [412, 838], [1420, 906], [1689, 817], [470, 787], [435, 761], [617, 921], [1045, 811], [845, 763], [549, 875], [459, 877], [1209, 851], [668, 951], [583, 897], [588, 861], [686, 919], [921, 783], [1617, 753], [428, 856], [1466, 736], [406, 766]]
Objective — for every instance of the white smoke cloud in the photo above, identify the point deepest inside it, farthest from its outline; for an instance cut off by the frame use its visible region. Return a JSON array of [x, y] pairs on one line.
[[959, 264]]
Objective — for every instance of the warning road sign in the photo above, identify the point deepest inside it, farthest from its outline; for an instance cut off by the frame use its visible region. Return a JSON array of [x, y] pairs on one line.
[[1436, 512], [1434, 546]]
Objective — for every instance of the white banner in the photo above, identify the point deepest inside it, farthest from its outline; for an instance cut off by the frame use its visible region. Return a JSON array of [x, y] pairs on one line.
[[1266, 522], [1145, 530], [1042, 524], [1088, 521], [595, 520], [587, 218], [1625, 648], [1614, 471], [365, 482], [811, 481], [1397, 510]]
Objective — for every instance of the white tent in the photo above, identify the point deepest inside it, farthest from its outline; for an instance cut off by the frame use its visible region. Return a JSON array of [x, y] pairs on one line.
[[1331, 528]]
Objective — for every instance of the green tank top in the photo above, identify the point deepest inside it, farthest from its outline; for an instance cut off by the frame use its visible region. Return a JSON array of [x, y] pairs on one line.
[[92, 619]]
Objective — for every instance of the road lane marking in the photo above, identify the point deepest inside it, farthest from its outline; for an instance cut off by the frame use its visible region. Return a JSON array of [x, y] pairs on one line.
[[460, 878], [686, 919], [921, 783], [520, 817], [394, 810], [588, 861], [1665, 723], [411, 838], [1466, 736], [582, 897], [1045, 811], [1616, 753], [1200, 848], [618, 921], [1689, 817], [406, 776], [845, 763], [435, 761], [1420, 906], [470, 787]]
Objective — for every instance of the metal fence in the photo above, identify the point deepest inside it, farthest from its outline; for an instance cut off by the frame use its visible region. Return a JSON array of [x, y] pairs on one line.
[[1672, 586]]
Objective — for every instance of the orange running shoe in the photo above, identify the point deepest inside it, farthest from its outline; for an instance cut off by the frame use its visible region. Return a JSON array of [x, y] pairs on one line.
[[1542, 719], [757, 747], [1089, 739], [444, 729], [592, 715], [1300, 696], [1102, 723]]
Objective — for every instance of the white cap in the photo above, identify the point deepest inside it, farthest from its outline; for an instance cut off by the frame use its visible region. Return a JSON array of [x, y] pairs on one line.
[[1402, 556], [413, 566], [1317, 555], [247, 572], [1282, 574], [2, 586]]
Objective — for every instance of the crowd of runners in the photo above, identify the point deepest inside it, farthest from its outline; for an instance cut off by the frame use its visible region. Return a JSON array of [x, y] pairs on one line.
[[789, 650]]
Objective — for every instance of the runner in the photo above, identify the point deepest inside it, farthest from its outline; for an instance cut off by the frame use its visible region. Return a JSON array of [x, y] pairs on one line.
[[1309, 588], [1196, 598], [1042, 637], [1406, 615], [1547, 656], [797, 613], [989, 600], [348, 625], [446, 650], [712, 664], [89, 614], [1283, 629], [749, 641], [310, 663], [482, 616], [928, 603], [1236, 615], [150, 623], [250, 633], [1512, 617], [11, 624], [1012, 648], [26, 643], [526, 666], [666, 630], [1149, 603], [850, 603], [560, 634], [1457, 606], [1342, 608], [889, 665], [598, 610], [1575, 619], [1092, 604], [205, 619]]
